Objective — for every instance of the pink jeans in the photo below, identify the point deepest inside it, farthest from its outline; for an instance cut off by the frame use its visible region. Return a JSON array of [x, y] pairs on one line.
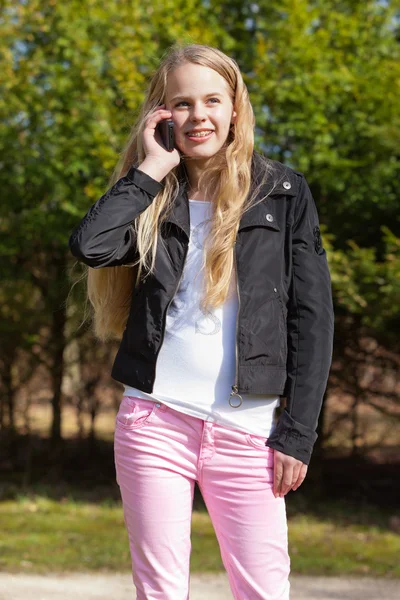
[[159, 455]]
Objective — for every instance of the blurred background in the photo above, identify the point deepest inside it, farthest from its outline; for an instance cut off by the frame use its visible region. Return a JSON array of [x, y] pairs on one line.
[[324, 81]]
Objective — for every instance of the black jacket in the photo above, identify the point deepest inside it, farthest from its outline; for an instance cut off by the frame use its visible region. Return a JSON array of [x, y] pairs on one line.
[[285, 324]]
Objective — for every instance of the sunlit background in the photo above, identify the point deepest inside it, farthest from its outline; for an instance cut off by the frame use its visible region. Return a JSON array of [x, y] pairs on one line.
[[324, 81]]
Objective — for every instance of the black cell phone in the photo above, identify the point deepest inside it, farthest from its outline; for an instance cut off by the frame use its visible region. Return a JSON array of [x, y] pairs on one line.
[[166, 129]]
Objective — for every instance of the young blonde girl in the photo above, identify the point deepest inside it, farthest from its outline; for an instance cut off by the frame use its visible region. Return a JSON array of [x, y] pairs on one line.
[[207, 263]]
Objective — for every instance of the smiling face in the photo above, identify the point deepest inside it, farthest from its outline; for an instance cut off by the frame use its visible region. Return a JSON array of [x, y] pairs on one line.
[[199, 99]]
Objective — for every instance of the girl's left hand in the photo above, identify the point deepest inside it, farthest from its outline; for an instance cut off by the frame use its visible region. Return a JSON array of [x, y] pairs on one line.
[[289, 473]]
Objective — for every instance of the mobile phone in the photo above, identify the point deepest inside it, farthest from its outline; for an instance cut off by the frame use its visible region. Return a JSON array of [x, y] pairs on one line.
[[166, 129]]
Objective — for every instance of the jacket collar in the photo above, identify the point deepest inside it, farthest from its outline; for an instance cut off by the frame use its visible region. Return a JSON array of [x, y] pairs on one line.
[[260, 214]]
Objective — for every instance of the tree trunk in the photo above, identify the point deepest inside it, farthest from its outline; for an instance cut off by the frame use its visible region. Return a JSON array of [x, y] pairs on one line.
[[59, 311], [7, 400]]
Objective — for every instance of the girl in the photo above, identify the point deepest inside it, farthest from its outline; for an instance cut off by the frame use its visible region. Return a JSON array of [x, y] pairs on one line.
[[207, 262]]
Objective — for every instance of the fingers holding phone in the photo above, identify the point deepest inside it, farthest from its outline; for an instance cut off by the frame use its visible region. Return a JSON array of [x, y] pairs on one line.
[[158, 138]]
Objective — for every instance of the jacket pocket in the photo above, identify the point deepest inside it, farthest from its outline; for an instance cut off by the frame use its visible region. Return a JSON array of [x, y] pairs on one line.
[[265, 334]]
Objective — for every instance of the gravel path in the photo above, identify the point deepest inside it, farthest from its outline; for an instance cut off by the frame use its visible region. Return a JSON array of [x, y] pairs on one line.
[[213, 587]]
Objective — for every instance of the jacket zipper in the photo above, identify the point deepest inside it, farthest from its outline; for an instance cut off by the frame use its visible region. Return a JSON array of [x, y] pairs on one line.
[[235, 387]]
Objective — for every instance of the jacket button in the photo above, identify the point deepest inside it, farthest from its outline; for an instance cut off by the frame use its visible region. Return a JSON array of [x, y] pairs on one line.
[[270, 218], [287, 185]]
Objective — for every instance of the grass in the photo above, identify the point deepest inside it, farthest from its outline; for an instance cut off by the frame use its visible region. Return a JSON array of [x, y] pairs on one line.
[[322, 548], [48, 530], [42, 535]]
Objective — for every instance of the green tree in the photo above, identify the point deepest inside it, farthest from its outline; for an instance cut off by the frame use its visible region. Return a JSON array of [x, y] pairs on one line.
[[325, 84], [324, 81], [73, 77]]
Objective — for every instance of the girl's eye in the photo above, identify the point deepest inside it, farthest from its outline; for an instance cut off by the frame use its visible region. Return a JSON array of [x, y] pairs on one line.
[[184, 101]]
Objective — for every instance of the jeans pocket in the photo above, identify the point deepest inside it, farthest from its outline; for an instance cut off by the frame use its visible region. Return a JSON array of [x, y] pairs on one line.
[[257, 441], [134, 413]]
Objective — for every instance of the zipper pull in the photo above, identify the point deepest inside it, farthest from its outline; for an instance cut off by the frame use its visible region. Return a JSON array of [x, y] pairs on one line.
[[235, 393]]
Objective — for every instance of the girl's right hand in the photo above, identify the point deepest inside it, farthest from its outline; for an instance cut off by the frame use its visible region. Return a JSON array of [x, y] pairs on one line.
[[153, 146]]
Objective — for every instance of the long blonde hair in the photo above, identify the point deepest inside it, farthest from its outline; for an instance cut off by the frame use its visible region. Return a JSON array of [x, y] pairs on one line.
[[109, 289]]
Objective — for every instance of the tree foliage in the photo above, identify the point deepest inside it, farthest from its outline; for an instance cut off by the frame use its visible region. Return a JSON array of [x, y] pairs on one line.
[[324, 81]]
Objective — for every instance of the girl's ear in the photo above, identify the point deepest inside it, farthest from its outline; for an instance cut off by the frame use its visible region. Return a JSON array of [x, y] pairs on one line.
[[233, 118]]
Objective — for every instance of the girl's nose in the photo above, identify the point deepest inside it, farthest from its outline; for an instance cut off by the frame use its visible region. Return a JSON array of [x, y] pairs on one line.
[[198, 112]]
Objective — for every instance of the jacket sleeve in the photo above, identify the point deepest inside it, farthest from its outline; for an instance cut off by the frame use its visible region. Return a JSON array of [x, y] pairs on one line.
[[105, 237], [310, 325]]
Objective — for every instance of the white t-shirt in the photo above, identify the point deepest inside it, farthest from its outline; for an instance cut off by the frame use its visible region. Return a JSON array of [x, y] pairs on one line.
[[196, 364]]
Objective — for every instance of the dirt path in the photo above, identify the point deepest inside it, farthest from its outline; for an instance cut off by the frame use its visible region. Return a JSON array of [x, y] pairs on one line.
[[213, 587]]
